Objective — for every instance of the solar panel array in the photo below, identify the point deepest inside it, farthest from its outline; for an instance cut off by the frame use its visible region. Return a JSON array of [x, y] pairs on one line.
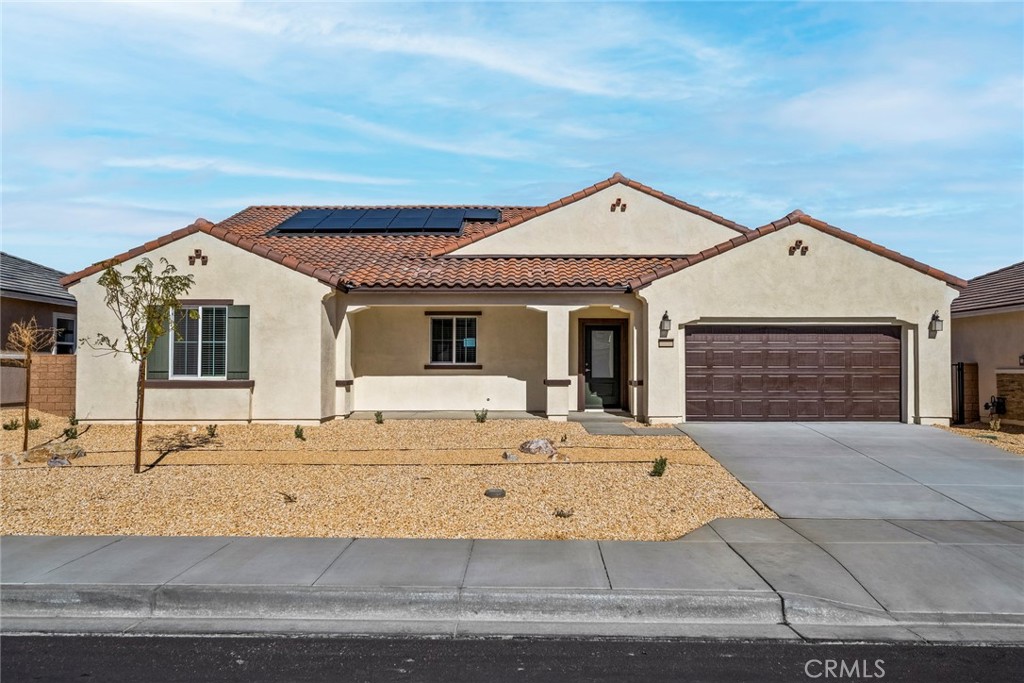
[[384, 221]]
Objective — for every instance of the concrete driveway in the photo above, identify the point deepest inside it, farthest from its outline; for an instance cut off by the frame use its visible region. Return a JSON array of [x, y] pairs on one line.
[[844, 470]]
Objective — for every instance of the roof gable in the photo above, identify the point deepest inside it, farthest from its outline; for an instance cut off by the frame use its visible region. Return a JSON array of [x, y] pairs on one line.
[[794, 218], [614, 207]]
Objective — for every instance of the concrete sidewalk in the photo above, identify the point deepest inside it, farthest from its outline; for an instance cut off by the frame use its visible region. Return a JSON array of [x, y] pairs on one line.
[[781, 579]]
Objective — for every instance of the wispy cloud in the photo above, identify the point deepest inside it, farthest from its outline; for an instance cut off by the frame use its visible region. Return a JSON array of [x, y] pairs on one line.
[[226, 167]]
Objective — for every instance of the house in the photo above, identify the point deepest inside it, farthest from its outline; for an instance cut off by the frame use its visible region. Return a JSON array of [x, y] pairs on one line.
[[30, 290], [988, 337], [617, 297]]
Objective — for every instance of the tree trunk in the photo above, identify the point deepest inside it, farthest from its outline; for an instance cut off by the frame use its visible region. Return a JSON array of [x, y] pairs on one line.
[[28, 393], [140, 400]]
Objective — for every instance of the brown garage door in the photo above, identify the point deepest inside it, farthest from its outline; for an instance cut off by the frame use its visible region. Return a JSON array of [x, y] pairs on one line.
[[738, 372]]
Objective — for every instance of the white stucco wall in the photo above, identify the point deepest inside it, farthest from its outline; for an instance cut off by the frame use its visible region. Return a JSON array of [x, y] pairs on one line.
[[836, 282], [648, 226], [291, 350], [992, 341], [390, 346]]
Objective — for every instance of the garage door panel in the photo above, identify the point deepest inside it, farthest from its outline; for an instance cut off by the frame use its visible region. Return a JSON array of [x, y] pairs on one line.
[[793, 372]]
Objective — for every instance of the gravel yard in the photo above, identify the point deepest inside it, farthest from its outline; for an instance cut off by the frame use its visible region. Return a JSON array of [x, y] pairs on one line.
[[1009, 437], [405, 478]]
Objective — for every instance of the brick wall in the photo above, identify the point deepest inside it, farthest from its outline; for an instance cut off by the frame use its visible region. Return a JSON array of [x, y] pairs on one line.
[[53, 384], [1011, 385]]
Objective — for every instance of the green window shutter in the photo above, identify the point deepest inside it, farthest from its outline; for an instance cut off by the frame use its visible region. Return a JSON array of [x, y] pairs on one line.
[[158, 361], [238, 342]]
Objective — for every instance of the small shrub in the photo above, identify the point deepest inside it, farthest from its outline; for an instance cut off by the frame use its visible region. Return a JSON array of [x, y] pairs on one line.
[[481, 415], [378, 417], [299, 433], [564, 439], [211, 431], [659, 467], [71, 433], [11, 425], [35, 423], [72, 420]]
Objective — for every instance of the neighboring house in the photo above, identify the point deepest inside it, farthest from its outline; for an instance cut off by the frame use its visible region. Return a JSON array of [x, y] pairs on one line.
[[616, 297], [988, 330], [29, 290]]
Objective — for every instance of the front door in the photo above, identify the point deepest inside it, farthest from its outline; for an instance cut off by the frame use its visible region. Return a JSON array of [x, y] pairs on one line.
[[602, 366]]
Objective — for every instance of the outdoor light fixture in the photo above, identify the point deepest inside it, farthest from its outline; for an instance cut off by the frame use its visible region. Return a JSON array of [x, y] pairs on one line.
[[935, 326], [1021, 359], [666, 324]]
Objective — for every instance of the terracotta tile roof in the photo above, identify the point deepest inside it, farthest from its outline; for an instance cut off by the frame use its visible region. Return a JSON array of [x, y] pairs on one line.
[[792, 219], [1002, 288], [388, 262], [616, 179]]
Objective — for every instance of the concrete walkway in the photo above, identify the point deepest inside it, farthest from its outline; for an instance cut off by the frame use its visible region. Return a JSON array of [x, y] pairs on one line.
[[868, 470], [801, 578]]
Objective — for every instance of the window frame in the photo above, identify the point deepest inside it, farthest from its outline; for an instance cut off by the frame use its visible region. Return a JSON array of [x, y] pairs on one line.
[[172, 338], [74, 344], [453, 363]]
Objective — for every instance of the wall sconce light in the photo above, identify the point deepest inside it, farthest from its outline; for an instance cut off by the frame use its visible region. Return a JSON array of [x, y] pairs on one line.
[[666, 324], [1021, 360], [935, 325]]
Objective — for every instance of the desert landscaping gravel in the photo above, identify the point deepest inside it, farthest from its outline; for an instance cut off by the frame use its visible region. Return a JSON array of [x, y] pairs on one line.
[[404, 478], [1009, 437]]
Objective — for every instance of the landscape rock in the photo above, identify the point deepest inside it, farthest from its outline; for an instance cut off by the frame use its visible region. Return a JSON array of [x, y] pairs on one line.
[[558, 457], [57, 462], [10, 459], [510, 456], [67, 451], [495, 493], [538, 447]]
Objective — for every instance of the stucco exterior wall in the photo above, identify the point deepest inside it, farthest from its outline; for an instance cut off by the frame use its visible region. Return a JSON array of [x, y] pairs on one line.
[[648, 226], [992, 341], [390, 346], [287, 336], [836, 282]]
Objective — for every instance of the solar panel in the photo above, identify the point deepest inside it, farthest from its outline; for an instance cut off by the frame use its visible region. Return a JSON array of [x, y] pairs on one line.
[[483, 215], [383, 221], [342, 218]]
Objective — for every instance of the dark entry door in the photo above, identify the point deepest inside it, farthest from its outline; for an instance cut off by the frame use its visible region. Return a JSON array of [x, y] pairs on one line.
[[602, 368]]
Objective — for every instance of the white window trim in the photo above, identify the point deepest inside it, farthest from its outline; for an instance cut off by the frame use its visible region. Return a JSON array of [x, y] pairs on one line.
[[170, 352], [430, 340], [66, 316]]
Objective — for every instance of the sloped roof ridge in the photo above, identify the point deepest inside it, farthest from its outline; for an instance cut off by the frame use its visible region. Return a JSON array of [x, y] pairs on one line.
[[999, 288], [792, 218], [616, 179], [300, 207]]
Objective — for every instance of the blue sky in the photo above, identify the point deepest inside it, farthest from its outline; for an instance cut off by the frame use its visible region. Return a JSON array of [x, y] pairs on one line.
[[899, 122]]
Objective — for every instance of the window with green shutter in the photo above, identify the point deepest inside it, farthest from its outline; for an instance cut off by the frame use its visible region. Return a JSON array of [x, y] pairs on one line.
[[203, 342]]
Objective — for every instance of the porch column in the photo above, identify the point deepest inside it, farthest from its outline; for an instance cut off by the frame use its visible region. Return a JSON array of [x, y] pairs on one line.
[[556, 378]]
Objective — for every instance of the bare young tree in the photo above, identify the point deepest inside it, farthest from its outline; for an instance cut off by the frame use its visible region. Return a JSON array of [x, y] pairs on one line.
[[25, 338], [142, 301]]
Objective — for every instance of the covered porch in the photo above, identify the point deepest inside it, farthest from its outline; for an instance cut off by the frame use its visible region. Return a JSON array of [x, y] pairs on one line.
[[507, 357]]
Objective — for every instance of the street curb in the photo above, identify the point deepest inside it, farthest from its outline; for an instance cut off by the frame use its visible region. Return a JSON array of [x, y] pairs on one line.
[[390, 604]]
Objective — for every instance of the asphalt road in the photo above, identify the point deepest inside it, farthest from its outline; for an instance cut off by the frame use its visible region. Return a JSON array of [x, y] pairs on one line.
[[156, 659]]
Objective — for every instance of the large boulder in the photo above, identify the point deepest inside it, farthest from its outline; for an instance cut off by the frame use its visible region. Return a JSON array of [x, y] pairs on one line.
[[64, 450], [10, 459], [538, 447]]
